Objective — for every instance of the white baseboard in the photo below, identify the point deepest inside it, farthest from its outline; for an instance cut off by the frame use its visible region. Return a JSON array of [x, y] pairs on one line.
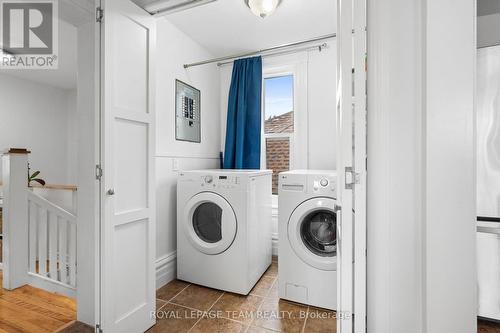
[[275, 221], [166, 269], [47, 284]]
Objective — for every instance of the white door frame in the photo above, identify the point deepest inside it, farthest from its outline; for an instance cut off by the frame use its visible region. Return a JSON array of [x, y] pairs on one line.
[[351, 165]]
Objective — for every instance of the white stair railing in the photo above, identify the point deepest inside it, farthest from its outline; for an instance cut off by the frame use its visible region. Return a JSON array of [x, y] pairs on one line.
[[52, 242]]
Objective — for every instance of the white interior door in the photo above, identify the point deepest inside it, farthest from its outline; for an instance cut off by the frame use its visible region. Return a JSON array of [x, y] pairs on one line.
[[128, 197], [351, 165], [488, 181]]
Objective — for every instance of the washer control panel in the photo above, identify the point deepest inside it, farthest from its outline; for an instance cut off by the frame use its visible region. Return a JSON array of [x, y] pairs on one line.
[[316, 183], [323, 184]]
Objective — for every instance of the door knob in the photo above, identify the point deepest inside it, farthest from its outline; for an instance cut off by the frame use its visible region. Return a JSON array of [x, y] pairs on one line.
[[111, 191]]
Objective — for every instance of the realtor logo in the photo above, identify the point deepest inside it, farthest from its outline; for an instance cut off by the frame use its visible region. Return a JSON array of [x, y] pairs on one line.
[[29, 34]]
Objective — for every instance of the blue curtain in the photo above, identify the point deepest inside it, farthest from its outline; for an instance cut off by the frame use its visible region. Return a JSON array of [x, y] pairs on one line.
[[243, 130]]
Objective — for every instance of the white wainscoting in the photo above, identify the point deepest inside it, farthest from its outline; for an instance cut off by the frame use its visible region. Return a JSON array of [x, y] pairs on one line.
[[166, 269], [275, 222]]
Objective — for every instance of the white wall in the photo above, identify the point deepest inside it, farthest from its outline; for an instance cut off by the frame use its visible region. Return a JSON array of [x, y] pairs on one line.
[[319, 102], [174, 49], [39, 112], [450, 166], [322, 99], [85, 142], [72, 148], [35, 116], [421, 177]]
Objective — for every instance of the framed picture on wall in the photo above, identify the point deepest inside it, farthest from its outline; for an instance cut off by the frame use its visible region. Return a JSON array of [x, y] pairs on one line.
[[187, 112]]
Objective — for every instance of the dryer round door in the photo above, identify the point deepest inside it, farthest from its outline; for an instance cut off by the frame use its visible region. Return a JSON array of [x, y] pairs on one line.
[[209, 223], [312, 233]]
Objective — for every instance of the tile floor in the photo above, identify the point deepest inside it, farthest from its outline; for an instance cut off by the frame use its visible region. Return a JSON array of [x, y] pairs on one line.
[[184, 307]]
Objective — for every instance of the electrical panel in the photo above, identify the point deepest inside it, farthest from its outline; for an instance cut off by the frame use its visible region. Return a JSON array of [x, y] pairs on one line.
[[187, 112]]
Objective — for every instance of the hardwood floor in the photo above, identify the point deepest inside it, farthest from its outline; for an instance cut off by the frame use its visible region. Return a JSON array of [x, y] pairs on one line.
[[77, 327], [484, 326], [32, 310]]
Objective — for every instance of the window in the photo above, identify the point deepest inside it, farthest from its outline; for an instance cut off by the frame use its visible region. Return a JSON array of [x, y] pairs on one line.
[[278, 124]]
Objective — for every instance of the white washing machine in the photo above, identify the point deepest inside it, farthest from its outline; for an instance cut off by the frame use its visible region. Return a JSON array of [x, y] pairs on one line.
[[224, 228], [307, 269]]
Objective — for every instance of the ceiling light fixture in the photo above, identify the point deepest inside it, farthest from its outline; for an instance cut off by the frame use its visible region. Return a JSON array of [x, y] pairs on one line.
[[262, 8]]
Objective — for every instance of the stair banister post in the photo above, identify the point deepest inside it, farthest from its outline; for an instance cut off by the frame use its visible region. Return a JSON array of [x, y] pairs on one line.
[[15, 218]]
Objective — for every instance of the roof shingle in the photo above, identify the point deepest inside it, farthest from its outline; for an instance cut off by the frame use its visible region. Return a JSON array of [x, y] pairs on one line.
[[279, 124]]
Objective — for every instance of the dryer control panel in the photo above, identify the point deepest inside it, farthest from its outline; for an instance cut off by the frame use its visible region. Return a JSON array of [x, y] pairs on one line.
[[220, 181]]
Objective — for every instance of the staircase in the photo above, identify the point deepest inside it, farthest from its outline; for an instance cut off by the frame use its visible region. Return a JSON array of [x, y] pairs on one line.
[[39, 232], [52, 245]]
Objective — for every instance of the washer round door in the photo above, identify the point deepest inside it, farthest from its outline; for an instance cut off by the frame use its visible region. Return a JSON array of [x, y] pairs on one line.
[[312, 233], [209, 223]]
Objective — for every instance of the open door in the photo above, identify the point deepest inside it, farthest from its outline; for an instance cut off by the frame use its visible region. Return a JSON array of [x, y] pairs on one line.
[[127, 141], [351, 165]]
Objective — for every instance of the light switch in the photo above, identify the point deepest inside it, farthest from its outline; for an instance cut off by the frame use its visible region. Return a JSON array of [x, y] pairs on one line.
[[175, 164]]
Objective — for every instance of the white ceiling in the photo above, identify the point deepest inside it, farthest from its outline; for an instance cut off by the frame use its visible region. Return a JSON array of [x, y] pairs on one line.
[[222, 27], [225, 27], [76, 12], [72, 13]]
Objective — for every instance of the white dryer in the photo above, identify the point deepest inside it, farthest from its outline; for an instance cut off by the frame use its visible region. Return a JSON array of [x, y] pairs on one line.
[[224, 228], [307, 269]]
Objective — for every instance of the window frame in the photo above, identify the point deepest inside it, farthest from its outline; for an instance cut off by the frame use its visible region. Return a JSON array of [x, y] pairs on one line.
[[277, 136], [297, 66]]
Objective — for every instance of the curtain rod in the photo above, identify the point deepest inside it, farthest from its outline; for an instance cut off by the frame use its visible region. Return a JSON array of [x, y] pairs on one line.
[[248, 54], [319, 47]]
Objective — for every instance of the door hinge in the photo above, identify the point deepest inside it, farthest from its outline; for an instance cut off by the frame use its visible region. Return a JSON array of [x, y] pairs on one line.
[[351, 178], [99, 14], [98, 328], [98, 172]]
